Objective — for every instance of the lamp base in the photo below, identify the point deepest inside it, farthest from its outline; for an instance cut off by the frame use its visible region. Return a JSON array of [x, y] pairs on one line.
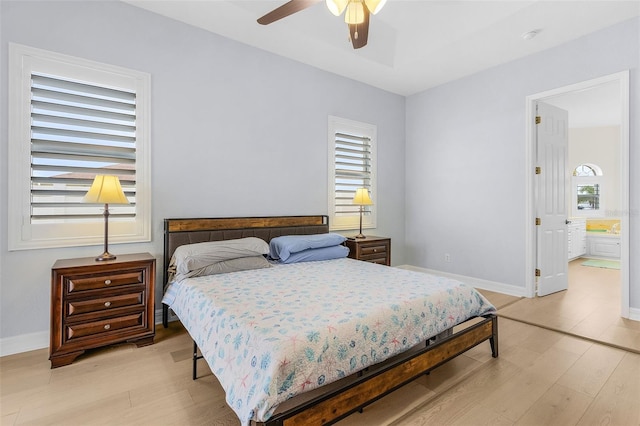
[[106, 256], [359, 236]]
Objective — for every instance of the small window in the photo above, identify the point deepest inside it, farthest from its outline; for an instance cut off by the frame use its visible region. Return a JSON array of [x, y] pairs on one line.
[[588, 196], [71, 119], [352, 165], [587, 191]]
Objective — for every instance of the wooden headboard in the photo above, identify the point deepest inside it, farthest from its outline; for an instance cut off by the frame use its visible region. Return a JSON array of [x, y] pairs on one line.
[[178, 232]]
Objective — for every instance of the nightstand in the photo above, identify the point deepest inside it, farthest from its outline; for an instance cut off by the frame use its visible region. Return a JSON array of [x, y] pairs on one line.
[[370, 249], [98, 303]]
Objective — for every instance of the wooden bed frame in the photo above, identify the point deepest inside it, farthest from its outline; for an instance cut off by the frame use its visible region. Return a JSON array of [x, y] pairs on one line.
[[337, 400]]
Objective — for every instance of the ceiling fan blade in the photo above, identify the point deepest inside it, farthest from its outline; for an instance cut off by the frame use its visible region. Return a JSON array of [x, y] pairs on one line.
[[362, 31], [289, 8]]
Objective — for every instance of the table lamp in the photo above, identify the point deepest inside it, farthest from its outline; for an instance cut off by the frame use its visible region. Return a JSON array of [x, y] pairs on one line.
[[106, 189], [362, 199]]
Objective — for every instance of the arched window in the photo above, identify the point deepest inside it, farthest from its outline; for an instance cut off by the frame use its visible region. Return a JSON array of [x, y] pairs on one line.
[[587, 190], [587, 170]]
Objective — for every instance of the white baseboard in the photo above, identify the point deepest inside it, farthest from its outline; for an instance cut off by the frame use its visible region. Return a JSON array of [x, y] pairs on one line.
[[40, 340], [634, 314], [24, 343], [475, 282]]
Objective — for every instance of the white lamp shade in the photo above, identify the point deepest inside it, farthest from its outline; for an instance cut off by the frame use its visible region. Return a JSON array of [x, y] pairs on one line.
[[355, 13], [362, 197], [374, 6], [337, 6], [106, 189]]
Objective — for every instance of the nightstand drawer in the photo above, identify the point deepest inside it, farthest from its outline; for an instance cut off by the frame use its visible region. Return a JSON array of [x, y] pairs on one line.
[[105, 303], [83, 283], [374, 250], [105, 326], [375, 258]]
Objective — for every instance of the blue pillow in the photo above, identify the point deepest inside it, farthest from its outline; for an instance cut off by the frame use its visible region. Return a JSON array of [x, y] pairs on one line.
[[324, 253], [280, 248]]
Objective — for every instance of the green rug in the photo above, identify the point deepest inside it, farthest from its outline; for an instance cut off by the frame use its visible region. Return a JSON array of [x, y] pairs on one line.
[[609, 264]]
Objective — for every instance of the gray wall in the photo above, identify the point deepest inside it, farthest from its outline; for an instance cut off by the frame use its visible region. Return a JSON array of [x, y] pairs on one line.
[[235, 131], [465, 158]]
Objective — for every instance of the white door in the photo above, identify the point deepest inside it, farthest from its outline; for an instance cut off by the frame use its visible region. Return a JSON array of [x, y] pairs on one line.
[[552, 198]]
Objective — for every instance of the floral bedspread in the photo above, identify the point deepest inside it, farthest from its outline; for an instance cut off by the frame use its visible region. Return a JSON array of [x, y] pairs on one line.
[[269, 334]]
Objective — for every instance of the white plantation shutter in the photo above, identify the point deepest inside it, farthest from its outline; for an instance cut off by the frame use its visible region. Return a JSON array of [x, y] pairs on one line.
[[352, 171], [70, 119], [79, 130], [351, 166]]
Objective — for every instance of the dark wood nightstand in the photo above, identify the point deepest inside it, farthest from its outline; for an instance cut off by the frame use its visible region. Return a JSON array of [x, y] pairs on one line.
[[97, 303], [370, 249]]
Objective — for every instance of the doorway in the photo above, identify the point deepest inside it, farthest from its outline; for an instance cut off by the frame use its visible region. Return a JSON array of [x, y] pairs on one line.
[[622, 81]]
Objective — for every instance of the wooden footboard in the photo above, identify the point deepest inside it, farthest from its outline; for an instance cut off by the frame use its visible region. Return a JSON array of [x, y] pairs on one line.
[[355, 393]]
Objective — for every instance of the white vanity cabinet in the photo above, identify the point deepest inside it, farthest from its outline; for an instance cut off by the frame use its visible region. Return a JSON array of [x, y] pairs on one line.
[[577, 237]]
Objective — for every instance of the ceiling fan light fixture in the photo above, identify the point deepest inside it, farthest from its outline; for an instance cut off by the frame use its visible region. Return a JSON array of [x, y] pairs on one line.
[[375, 6], [355, 13], [337, 6]]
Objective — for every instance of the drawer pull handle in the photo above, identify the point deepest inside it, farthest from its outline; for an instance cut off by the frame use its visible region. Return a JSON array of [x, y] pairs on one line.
[[107, 326], [107, 304], [107, 282], [375, 250]]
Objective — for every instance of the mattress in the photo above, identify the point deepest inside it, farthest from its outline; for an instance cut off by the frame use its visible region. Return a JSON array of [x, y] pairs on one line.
[[271, 334]]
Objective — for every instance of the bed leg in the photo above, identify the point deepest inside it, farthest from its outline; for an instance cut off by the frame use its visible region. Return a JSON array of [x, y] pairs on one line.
[[493, 340], [195, 361], [165, 315]]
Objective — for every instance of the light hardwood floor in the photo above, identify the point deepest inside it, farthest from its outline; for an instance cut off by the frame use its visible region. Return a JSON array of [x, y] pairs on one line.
[[540, 378], [590, 308]]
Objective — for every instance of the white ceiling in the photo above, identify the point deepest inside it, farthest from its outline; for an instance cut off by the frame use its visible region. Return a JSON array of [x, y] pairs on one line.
[[413, 44]]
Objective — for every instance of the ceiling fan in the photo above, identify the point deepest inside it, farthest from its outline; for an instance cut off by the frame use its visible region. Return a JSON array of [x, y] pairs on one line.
[[356, 15]]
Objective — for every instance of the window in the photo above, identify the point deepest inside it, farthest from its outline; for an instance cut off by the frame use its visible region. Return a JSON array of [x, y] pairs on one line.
[[352, 165], [588, 196], [585, 170], [587, 191], [71, 119]]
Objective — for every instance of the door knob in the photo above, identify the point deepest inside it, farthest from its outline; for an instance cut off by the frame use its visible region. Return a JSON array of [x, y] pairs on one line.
[[567, 221]]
